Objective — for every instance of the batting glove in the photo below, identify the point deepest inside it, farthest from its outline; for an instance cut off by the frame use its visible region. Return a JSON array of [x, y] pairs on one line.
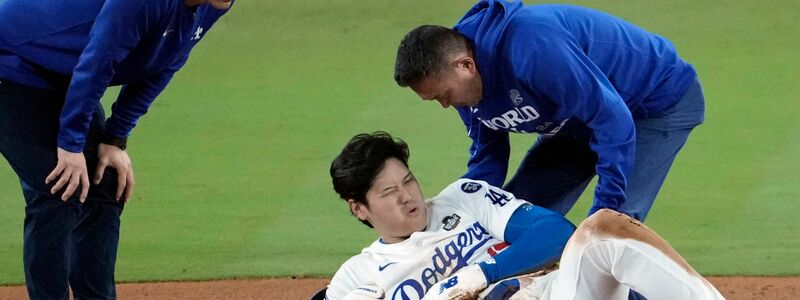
[[368, 291], [464, 284]]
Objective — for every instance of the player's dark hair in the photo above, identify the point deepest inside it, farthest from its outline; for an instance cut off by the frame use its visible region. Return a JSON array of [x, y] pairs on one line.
[[424, 51], [355, 168]]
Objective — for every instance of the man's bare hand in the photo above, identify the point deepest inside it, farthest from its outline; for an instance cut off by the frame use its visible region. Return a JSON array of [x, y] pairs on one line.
[[112, 156], [70, 172]]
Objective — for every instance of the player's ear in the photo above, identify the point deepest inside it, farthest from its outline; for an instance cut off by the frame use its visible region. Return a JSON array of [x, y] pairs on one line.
[[358, 209], [464, 62]]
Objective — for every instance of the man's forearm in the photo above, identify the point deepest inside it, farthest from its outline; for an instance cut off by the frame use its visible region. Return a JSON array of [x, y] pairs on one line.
[[537, 238]]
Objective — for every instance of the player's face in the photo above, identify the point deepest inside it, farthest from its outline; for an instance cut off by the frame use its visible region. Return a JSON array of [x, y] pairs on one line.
[[396, 207], [460, 85]]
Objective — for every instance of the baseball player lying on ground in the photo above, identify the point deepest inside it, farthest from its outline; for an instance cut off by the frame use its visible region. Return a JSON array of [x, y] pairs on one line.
[[472, 239]]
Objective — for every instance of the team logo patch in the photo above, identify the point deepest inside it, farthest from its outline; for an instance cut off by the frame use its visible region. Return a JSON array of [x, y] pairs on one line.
[[471, 187], [451, 222], [515, 97]]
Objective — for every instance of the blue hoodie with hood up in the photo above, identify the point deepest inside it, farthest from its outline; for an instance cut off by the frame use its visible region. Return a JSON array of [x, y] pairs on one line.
[[559, 69], [85, 46]]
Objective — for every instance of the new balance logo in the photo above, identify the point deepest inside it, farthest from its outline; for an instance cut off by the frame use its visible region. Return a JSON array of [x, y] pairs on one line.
[[450, 283]]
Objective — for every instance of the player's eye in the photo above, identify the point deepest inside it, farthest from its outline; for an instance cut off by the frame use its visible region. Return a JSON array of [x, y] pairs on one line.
[[389, 192]]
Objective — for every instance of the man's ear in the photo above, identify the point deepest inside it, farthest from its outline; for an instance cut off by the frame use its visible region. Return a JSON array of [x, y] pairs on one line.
[[464, 62], [358, 209]]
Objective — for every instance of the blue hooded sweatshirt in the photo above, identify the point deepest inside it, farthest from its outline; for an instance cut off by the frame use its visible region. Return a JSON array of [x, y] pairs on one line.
[[85, 46], [546, 68]]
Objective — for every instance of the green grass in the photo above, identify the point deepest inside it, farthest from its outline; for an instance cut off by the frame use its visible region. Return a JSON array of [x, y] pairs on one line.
[[232, 161]]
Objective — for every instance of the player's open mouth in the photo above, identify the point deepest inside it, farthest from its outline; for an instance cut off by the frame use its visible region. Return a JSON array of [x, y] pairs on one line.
[[413, 210]]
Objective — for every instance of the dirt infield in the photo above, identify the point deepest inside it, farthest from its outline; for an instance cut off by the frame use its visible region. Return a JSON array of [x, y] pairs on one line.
[[734, 288]]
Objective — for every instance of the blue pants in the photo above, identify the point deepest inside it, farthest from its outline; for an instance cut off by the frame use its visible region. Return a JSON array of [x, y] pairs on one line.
[[558, 168], [65, 243]]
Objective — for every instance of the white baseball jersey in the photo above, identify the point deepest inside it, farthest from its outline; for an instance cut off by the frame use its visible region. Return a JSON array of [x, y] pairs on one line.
[[464, 221]]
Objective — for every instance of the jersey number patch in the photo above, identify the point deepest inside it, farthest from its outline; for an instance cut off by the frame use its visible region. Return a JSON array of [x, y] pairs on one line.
[[497, 198]]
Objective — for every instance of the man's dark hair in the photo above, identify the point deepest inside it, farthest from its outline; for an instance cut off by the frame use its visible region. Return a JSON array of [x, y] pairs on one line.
[[355, 168], [424, 51]]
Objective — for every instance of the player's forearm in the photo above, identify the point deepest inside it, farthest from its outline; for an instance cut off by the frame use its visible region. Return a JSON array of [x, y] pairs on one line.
[[614, 141], [489, 171], [533, 248], [489, 161], [118, 28], [90, 80], [561, 71], [616, 153], [134, 101]]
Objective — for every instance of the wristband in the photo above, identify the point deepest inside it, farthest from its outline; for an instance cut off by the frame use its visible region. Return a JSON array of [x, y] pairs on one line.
[[121, 143]]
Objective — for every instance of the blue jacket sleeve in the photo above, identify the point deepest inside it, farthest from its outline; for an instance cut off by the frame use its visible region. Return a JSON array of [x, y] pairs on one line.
[[551, 61], [117, 29], [537, 237], [489, 151], [135, 98]]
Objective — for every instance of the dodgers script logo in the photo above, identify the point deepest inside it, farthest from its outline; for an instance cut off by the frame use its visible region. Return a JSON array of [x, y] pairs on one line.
[[446, 259]]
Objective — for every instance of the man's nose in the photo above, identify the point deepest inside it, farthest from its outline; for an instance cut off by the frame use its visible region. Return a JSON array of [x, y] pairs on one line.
[[405, 195]]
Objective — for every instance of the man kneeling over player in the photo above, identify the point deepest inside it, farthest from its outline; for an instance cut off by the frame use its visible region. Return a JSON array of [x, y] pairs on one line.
[[472, 239]]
